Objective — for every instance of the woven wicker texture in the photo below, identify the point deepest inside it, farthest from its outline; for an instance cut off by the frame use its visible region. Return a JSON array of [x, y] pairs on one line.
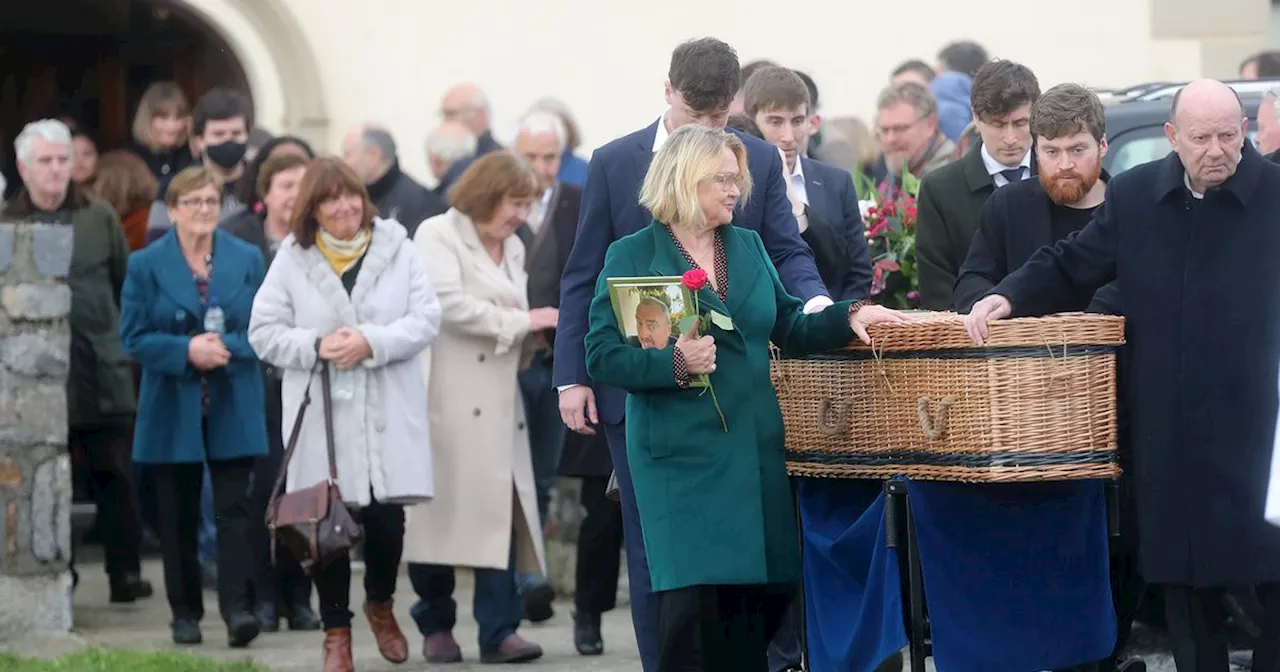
[[1037, 404]]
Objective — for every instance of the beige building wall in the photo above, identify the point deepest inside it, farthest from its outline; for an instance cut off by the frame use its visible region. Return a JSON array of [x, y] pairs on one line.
[[318, 66]]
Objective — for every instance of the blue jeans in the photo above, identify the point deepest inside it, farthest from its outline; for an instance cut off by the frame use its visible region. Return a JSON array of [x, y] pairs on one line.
[[546, 439], [496, 606], [208, 530]]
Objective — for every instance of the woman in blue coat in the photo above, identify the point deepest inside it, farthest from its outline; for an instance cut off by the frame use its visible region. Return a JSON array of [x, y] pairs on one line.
[[201, 398]]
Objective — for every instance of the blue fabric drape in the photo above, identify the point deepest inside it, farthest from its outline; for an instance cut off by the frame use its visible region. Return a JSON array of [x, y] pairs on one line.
[[853, 598], [1015, 575]]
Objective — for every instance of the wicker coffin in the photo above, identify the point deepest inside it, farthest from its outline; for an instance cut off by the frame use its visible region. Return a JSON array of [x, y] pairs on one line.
[[1038, 403]]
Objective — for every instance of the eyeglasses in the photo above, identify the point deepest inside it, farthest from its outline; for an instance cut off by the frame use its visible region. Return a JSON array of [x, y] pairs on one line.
[[727, 180], [196, 203], [899, 129]]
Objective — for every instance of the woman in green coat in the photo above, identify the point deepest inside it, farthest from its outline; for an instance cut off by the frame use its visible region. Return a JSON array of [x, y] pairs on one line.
[[714, 499]]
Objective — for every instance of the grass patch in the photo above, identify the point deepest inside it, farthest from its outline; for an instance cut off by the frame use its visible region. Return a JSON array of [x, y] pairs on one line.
[[100, 660]]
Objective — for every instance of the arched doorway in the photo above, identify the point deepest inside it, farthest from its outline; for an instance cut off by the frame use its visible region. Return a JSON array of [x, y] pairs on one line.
[[90, 60]]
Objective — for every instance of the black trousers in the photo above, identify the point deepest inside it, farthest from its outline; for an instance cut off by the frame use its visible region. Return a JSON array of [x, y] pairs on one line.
[[595, 588], [719, 628], [279, 580], [383, 526], [178, 496], [1198, 633], [108, 450]]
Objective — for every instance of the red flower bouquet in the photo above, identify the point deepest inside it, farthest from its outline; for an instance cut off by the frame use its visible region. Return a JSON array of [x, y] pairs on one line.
[[889, 216]]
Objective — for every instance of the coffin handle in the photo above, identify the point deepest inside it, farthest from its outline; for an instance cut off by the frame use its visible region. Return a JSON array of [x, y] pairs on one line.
[[833, 426], [933, 426]]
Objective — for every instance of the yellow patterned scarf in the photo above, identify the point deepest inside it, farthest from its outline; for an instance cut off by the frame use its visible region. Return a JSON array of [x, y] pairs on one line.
[[342, 254]]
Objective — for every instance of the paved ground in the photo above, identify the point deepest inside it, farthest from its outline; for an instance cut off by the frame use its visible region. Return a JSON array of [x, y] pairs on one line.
[[144, 627]]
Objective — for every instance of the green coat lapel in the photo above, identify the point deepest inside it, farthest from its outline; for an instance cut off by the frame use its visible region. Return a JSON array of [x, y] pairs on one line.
[[744, 269], [667, 260]]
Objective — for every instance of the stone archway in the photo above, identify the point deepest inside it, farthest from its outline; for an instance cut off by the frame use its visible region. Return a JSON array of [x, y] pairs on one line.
[[277, 58]]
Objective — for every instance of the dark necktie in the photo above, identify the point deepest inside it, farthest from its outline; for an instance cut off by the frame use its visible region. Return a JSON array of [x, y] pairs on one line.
[[1012, 175]]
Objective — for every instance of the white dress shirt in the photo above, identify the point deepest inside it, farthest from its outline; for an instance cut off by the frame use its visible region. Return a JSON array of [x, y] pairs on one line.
[[994, 167]]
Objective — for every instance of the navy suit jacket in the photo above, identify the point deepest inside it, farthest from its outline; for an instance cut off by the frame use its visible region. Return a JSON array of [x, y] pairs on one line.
[[611, 210], [836, 232]]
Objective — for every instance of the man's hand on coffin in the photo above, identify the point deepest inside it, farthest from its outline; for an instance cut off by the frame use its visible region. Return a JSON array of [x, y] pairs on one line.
[[989, 309]]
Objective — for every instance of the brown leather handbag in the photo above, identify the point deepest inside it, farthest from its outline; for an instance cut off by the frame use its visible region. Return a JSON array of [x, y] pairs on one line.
[[313, 523]]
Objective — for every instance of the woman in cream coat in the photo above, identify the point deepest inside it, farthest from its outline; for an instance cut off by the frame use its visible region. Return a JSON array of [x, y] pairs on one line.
[[485, 511], [348, 287]]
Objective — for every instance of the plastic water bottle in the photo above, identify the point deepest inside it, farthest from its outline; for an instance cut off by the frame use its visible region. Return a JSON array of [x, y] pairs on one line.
[[215, 320], [343, 387]]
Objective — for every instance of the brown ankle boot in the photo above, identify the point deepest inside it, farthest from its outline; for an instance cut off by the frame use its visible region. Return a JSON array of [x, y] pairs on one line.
[[337, 650], [391, 642]]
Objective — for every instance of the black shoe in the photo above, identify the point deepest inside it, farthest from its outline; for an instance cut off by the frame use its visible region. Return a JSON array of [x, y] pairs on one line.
[[268, 617], [186, 631], [241, 629], [1134, 664], [586, 634], [537, 602], [301, 618], [129, 587]]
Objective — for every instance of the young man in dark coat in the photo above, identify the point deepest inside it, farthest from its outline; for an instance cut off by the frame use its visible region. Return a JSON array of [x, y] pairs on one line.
[[952, 196], [1068, 124], [1203, 392]]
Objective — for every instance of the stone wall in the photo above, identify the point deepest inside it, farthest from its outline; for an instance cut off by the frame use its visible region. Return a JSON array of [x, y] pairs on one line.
[[35, 471]]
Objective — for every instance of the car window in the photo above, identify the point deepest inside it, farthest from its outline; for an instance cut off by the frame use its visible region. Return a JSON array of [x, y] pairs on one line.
[[1139, 146], [1136, 147]]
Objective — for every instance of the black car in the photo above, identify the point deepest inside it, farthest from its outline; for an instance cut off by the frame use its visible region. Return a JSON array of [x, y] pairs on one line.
[[1136, 118]]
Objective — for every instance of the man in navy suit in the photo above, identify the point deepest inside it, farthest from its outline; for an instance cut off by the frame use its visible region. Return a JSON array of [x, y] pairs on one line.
[[779, 102], [701, 83]]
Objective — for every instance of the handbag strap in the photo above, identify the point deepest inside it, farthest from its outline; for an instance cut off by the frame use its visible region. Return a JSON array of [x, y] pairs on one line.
[[327, 387], [322, 368]]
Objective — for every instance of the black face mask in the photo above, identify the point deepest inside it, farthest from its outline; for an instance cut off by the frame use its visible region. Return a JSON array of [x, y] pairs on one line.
[[227, 155]]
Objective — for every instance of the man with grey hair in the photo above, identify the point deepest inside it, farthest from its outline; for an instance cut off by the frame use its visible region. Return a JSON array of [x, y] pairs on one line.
[[450, 149], [467, 105], [1268, 137], [541, 139], [100, 394], [371, 152]]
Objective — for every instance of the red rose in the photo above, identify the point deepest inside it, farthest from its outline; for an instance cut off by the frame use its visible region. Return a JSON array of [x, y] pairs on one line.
[[695, 279]]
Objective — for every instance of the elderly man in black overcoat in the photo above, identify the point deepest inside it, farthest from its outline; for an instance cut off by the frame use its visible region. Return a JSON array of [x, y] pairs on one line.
[[1175, 233]]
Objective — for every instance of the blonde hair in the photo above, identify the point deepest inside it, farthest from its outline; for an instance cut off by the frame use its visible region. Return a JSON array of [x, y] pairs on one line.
[[161, 99], [689, 157]]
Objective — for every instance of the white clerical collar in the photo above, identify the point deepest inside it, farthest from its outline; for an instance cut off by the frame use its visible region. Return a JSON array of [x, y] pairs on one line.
[[660, 138], [994, 167], [1186, 180]]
